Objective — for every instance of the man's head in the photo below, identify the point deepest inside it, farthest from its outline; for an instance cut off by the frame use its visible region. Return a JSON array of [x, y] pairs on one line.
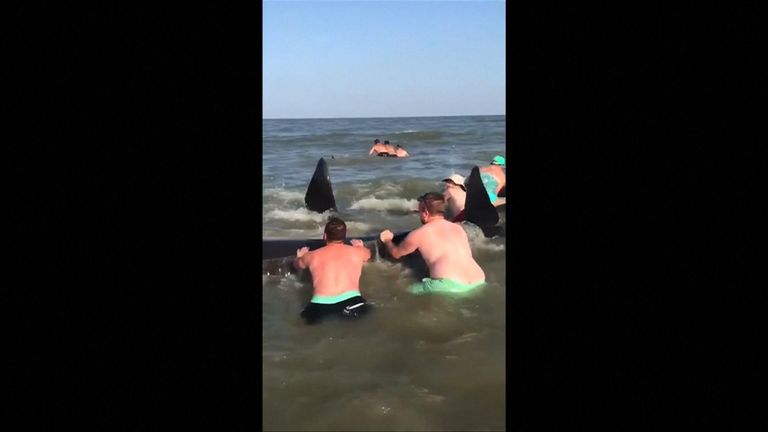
[[455, 180], [376, 141], [335, 230], [431, 204], [399, 146], [500, 161], [386, 142]]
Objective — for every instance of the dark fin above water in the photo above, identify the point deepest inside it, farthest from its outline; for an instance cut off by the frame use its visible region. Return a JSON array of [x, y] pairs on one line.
[[478, 208], [319, 195]]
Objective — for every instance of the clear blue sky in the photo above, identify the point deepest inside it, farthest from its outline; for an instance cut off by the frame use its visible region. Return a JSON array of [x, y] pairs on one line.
[[383, 59]]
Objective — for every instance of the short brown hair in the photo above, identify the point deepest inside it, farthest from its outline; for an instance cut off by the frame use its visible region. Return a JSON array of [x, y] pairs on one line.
[[335, 229], [433, 202]]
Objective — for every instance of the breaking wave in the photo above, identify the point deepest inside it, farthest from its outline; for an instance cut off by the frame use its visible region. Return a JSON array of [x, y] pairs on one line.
[[300, 214], [385, 204]]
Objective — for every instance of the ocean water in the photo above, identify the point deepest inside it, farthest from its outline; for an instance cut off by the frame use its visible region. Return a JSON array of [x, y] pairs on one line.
[[415, 362]]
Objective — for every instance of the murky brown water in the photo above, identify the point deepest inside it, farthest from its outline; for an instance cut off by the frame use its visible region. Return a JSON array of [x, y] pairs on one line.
[[414, 363]]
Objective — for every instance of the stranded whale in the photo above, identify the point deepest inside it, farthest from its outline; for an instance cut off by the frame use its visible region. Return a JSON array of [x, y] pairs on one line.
[[278, 254]]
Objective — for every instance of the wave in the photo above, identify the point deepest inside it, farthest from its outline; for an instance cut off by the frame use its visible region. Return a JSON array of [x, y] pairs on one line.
[[478, 240], [300, 214], [413, 135], [385, 204], [283, 194], [487, 245], [357, 227], [323, 137]]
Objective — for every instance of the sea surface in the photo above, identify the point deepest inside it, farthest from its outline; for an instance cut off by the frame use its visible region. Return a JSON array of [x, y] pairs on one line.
[[415, 362]]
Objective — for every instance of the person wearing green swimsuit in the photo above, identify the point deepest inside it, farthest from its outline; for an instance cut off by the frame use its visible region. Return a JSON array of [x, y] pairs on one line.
[[335, 269], [445, 248]]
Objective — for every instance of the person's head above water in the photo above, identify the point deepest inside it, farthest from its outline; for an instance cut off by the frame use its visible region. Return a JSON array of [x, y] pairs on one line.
[[455, 180], [386, 142], [431, 204], [500, 161], [335, 230], [376, 141], [399, 146]]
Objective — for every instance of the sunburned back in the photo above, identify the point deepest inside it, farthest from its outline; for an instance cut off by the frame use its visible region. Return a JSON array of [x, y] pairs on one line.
[[336, 269], [401, 153], [445, 248]]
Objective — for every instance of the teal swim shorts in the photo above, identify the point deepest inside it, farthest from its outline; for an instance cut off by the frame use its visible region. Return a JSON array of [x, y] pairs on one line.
[[429, 285], [335, 299]]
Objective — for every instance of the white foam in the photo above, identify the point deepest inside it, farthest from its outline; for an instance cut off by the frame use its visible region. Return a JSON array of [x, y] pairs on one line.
[[300, 214], [285, 195], [489, 246], [361, 227], [289, 283], [296, 233], [473, 231], [390, 188], [383, 204], [478, 240]]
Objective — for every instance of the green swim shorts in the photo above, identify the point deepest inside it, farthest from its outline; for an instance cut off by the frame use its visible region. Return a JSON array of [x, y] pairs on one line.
[[429, 285], [335, 299]]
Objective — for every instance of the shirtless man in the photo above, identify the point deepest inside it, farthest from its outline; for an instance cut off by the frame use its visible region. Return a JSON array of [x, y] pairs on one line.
[[443, 245], [494, 178], [335, 270], [378, 149], [391, 152], [455, 196], [400, 151]]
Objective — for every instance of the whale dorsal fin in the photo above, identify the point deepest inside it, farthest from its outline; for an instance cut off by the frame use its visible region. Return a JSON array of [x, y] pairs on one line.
[[319, 196]]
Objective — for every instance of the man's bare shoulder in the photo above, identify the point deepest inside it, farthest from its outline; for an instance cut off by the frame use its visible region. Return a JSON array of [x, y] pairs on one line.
[[349, 249], [323, 251], [448, 227], [338, 251], [418, 232], [429, 232], [313, 253]]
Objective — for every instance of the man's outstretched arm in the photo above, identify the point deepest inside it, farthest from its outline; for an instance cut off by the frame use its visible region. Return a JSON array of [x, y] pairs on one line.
[[407, 246], [300, 261], [364, 251]]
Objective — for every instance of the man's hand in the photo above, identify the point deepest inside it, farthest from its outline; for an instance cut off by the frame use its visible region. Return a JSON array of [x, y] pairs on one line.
[[301, 252], [356, 243], [386, 236]]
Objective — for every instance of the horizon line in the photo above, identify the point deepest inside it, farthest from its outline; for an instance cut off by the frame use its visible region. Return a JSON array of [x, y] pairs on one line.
[[381, 117]]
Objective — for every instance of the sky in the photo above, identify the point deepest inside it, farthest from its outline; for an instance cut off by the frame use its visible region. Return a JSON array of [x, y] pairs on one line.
[[324, 59]]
